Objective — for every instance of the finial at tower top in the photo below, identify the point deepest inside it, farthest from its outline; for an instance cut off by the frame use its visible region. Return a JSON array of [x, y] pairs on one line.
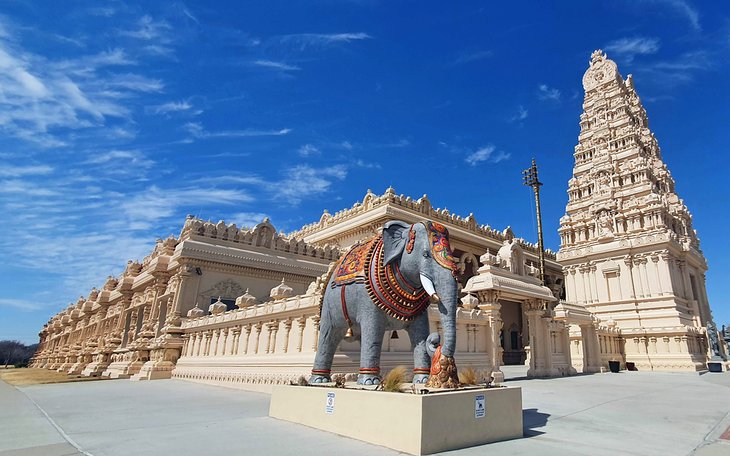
[[601, 71], [597, 56]]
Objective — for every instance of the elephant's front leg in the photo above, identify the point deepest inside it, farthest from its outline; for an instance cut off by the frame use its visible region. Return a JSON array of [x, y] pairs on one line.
[[329, 338], [418, 332], [371, 344]]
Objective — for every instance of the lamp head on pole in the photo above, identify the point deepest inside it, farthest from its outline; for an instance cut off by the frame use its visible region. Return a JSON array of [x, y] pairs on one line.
[[529, 176]]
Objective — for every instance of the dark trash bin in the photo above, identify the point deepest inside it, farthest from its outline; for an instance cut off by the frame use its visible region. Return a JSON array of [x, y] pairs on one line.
[[714, 367], [631, 366], [614, 366]]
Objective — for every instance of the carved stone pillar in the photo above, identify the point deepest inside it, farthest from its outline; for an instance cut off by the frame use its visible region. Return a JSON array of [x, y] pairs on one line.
[[489, 304], [535, 310], [302, 323], [236, 340], [273, 328], [287, 329], [258, 336], [247, 337], [315, 320], [214, 341], [208, 335], [591, 356]]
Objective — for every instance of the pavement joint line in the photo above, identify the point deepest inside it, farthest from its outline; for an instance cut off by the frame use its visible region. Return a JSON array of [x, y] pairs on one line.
[[715, 433], [58, 428]]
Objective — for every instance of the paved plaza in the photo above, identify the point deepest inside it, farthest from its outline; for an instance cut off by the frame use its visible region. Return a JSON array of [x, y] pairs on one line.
[[639, 413]]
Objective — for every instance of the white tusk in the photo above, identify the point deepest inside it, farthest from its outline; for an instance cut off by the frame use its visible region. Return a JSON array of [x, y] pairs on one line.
[[427, 285]]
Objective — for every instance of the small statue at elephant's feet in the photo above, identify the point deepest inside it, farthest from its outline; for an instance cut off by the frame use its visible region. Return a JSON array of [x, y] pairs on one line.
[[443, 372]]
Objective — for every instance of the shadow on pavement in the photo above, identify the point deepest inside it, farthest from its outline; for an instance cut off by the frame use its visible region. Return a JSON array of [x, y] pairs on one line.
[[532, 419]]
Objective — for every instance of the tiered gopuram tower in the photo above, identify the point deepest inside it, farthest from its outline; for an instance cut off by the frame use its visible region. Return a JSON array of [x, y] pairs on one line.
[[628, 249]]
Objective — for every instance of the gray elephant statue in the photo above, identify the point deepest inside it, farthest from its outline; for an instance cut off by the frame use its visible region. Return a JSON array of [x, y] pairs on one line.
[[385, 284]]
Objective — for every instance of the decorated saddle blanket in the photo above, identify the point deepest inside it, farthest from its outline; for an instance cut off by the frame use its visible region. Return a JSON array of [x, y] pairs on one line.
[[385, 284], [390, 291], [351, 268]]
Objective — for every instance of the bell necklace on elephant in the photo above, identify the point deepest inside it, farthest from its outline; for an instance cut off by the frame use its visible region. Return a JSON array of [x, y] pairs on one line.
[[387, 283]]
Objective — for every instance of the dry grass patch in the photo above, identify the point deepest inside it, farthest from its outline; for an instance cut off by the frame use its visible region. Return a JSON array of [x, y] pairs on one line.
[[31, 376], [468, 376], [393, 380]]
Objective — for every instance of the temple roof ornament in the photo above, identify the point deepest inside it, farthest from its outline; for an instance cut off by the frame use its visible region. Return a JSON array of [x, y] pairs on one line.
[[469, 301], [196, 311], [245, 300], [281, 291], [601, 71], [217, 307]]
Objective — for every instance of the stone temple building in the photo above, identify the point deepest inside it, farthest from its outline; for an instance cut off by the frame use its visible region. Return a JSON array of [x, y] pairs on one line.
[[628, 250], [226, 305]]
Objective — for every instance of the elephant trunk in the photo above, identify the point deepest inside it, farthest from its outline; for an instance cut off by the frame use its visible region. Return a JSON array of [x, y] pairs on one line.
[[447, 291]]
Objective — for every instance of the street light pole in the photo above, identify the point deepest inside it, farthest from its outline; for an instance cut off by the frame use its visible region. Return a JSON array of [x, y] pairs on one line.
[[530, 179]]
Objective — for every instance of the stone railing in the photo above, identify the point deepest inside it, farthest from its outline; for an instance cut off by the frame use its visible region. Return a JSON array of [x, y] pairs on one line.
[[610, 345], [254, 347], [276, 342]]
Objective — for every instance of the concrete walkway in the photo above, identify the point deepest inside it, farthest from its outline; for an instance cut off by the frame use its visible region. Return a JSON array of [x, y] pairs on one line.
[[639, 413]]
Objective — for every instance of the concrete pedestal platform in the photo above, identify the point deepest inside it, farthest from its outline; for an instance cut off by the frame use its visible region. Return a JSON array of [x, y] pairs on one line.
[[414, 423]]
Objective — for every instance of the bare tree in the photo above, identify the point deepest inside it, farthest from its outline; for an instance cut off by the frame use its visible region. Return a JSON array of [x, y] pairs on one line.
[[15, 352]]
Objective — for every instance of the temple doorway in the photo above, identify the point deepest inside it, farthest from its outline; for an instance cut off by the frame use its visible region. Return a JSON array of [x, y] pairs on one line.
[[513, 337]]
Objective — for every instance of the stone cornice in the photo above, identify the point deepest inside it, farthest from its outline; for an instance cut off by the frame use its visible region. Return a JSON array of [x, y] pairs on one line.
[[375, 208], [249, 258]]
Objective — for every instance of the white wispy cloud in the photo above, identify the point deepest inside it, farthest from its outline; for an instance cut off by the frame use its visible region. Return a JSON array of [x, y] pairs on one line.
[[186, 12], [137, 83], [302, 181], [679, 70], [166, 108], [314, 40], [308, 150], [367, 164], [487, 153], [472, 56], [21, 171], [247, 219], [281, 66], [253, 180], [521, 114], [157, 36], [25, 188], [146, 208], [631, 47], [73, 218], [196, 130], [121, 160], [544, 92], [149, 29], [44, 99], [103, 11], [681, 8], [21, 304], [398, 144]]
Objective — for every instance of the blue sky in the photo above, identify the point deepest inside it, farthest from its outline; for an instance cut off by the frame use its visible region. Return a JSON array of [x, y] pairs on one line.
[[119, 118]]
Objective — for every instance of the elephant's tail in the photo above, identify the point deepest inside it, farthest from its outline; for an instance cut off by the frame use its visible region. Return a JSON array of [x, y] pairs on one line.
[[432, 342]]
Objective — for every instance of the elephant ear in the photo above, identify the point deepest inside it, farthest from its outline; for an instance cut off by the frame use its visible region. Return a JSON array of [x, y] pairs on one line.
[[395, 236]]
